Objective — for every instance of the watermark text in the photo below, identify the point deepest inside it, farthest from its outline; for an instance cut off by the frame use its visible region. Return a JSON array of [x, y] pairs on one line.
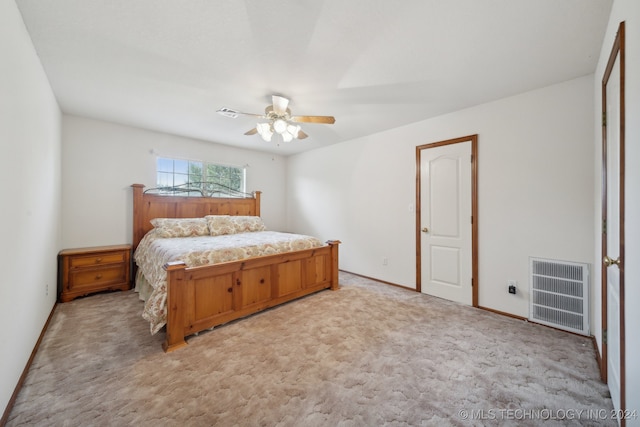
[[546, 414]]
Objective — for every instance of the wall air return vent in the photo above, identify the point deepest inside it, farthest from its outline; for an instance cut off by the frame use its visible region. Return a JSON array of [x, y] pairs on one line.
[[559, 294]]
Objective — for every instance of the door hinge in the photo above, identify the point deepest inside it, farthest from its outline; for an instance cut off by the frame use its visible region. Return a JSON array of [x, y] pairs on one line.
[[604, 226], [604, 336], [472, 282], [604, 118]]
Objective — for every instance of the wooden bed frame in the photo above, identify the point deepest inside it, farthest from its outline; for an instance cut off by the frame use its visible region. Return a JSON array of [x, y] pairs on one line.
[[200, 298]]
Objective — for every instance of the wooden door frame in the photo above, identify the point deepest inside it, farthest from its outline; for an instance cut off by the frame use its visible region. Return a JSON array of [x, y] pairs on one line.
[[616, 52], [474, 211]]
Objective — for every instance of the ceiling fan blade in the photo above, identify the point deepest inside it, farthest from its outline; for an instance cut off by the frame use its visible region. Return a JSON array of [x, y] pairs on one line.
[[228, 112], [251, 132], [302, 135], [313, 119], [279, 104]]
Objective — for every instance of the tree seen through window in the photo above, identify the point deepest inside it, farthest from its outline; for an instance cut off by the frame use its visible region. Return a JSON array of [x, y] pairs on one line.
[[199, 178]]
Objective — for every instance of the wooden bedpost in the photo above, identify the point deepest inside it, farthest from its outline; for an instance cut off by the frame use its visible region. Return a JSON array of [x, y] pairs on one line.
[[175, 306], [256, 195], [334, 264], [138, 226]]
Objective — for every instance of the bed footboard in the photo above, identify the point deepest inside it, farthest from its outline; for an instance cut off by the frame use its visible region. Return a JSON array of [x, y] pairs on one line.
[[200, 298]]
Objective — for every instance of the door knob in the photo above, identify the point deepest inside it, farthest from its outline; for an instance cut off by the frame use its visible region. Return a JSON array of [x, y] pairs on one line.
[[425, 230], [609, 262]]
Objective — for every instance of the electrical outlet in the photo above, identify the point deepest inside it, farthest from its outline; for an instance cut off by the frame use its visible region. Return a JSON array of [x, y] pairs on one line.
[[512, 284], [385, 261], [46, 289]]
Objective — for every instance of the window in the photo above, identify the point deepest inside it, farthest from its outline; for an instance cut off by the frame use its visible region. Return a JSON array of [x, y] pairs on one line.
[[199, 178]]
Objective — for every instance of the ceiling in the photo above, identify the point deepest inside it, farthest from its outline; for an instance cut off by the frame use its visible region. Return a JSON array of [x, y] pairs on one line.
[[168, 65]]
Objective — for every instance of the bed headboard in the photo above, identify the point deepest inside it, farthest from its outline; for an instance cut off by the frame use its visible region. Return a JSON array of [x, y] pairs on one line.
[[147, 206]]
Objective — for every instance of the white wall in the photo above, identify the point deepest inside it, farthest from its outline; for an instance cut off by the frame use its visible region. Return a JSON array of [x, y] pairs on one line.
[[535, 156], [101, 160], [30, 194], [628, 11], [533, 149]]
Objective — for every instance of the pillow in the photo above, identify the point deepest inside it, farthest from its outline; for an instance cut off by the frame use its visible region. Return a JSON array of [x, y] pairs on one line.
[[245, 224], [219, 225], [230, 224], [180, 227]]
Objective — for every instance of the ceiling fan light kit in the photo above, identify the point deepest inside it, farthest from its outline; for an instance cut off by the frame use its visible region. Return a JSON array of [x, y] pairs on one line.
[[280, 119], [265, 131], [280, 126], [294, 130]]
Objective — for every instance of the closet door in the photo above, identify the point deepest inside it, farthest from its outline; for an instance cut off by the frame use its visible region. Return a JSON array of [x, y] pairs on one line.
[[446, 228]]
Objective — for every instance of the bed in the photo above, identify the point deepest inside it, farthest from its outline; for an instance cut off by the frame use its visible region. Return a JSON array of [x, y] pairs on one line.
[[204, 291]]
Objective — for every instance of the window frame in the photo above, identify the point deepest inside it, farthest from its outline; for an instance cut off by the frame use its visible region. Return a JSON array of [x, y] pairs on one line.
[[188, 183]]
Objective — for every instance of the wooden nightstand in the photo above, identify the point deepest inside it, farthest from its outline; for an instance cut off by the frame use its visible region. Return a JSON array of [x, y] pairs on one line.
[[86, 270]]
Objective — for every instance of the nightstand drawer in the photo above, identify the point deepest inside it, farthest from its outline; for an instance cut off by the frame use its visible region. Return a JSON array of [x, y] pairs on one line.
[[84, 271], [93, 260], [96, 277]]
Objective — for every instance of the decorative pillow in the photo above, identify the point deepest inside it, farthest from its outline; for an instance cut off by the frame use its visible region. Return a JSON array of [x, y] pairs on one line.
[[245, 224], [219, 225], [180, 227]]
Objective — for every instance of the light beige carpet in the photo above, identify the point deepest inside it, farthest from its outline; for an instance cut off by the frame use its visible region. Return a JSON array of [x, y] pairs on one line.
[[369, 354]]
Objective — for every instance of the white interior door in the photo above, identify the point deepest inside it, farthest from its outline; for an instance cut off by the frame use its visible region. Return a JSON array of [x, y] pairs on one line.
[[446, 209], [613, 232]]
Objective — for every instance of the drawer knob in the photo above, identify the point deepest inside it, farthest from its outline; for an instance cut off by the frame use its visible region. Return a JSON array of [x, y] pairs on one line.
[[98, 260], [98, 276]]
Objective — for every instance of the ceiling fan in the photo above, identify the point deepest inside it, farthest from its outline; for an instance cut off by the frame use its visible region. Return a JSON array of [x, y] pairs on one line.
[[280, 121]]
